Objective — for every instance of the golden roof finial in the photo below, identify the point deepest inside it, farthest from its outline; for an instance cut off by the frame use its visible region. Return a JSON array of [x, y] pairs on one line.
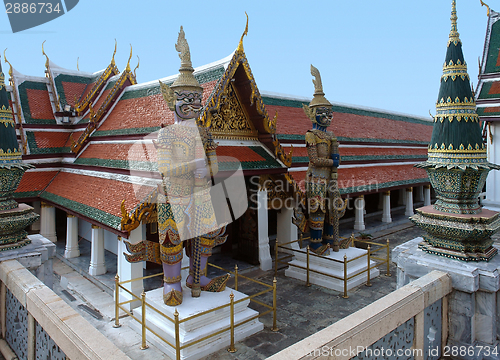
[[114, 53], [483, 4], [186, 78], [43, 52], [240, 45], [77, 67], [319, 96], [129, 58], [138, 62], [7, 61], [454, 35]]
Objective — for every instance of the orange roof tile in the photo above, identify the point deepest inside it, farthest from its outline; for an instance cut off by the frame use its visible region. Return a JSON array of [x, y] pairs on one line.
[[39, 103], [99, 193], [49, 139], [133, 151], [148, 111], [242, 153], [349, 151], [72, 89], [35, 181], [292, 120]]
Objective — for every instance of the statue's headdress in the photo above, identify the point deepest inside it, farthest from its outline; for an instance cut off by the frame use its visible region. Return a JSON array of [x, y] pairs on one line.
[[319, 96], [186, 79]]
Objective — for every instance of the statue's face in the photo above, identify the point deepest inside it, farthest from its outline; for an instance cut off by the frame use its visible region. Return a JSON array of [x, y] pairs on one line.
[[187, 104], [324, 116]]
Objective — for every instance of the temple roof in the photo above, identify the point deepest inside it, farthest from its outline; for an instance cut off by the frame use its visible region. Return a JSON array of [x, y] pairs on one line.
[[10, 153]]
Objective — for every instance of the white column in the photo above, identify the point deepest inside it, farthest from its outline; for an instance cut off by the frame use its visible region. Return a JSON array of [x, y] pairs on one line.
[[287, 231], [266, 263], [359, 213], [409, 202], [386, 216], [36, 208], [402, 197], [492, 200], [97, 265], [72, 248], [127, 271], [420, 194], [427, 195], [48, 222]]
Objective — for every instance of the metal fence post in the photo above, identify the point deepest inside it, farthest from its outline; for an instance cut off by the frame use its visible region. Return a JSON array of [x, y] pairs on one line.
[[345, 296], [276, 259], [388, 259], [231, 349], [307, 281], [368, 269], [177, 336], [236, 277], [274, 328], [144, 346], [117, 301]]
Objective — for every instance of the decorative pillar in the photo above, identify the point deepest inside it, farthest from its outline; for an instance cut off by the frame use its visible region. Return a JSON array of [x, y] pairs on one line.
[[427, 195], [127, 271], [266, 263], [287, 231], [409, 202], [419, 197], [48, 222], [386, 216], [359, 213], [72, 248], [97, 265]]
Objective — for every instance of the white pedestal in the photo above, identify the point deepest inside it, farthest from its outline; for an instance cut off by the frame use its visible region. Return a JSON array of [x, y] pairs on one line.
[[333, 268], [200, 326]]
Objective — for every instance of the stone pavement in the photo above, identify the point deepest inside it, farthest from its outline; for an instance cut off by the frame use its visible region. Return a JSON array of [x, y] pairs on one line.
[[301, 312]]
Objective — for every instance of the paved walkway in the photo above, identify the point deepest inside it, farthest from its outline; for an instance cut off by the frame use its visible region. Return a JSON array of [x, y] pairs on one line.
[[302, 310]]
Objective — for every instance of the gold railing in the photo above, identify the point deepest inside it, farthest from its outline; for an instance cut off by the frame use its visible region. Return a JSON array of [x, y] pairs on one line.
[[369, 255], [177, 347]]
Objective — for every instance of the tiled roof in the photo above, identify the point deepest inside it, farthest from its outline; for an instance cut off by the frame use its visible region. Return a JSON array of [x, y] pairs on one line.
[[490, 90], [46, 142], [293, 121], [371, 178], [143, 108], [493, 59], [35, 103], [251, 158], [33, 182], [91, 196], [69, 86]]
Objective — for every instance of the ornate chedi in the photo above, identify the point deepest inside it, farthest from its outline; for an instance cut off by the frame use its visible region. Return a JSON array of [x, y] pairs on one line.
[[456, 225], [14, 217], [186, 161], [324, 206]]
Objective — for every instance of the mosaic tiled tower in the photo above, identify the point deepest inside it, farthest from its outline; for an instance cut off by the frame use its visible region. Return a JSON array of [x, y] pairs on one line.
[[14, 217], [457, 166]]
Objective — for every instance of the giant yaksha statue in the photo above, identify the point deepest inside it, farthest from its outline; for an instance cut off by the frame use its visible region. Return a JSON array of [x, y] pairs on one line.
[[324, 206], [186, 161]]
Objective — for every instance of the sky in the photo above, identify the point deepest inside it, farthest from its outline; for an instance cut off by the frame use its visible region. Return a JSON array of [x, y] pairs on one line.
[[385, 54]]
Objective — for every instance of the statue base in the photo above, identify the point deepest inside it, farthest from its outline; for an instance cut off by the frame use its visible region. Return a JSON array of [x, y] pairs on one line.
[[200, 326], [333, 268], [473, 305]]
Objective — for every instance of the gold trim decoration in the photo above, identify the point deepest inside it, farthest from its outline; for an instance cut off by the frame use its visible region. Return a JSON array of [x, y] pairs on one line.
[[487, 7], [454, 35], [280, 153], [6, 116], [145, 212], [48, 74], [240, 44], [110, 71]]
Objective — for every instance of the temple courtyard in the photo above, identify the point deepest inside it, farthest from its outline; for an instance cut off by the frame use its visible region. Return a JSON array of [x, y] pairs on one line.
[[301, 310]]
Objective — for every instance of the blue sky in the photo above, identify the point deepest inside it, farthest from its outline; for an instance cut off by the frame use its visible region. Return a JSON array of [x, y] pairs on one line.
[[385, 54]]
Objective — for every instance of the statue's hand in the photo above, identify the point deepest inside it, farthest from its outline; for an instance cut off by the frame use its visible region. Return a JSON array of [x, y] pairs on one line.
[[336, 160], [201, 172]]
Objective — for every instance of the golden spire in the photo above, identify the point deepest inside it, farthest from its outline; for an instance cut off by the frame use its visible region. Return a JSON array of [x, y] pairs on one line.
[[77, 67], [43, 52], [186, 78], [114, 53], [240, 45], [129, 58], [7, 61], [182, 47], [319, 96], [454, 35], [483, 4], [138, 62]]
